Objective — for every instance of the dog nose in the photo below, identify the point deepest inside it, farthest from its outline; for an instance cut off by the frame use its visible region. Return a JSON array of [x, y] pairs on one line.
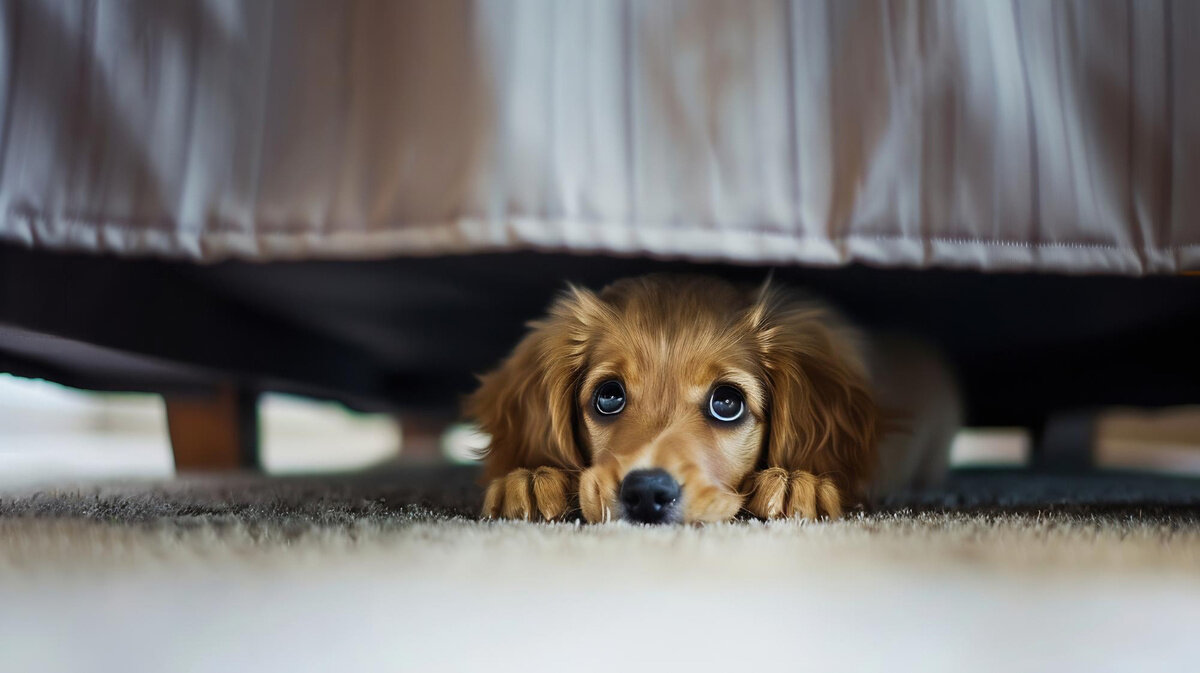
[[649, 496]]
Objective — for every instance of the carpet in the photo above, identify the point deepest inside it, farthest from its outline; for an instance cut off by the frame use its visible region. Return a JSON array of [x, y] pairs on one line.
[[390, 570]]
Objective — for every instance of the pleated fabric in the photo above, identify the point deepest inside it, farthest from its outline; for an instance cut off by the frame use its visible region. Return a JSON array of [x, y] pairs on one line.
[[992, 134]]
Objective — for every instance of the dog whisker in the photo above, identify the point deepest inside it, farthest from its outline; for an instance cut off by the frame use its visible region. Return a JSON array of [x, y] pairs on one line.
[[760, 396]]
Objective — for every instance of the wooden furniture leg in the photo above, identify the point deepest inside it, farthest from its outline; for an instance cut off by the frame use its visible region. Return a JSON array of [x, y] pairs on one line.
[[1065, 442], [216, 431], [422, 438]]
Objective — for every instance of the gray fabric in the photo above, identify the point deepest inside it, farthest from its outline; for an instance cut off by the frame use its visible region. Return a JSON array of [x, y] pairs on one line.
[[984, 135]]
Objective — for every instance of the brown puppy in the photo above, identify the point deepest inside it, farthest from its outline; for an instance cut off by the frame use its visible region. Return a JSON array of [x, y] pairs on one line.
[[668, 399]]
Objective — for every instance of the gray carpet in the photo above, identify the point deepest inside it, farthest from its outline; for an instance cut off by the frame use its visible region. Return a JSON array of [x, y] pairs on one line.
[[391, 570], [402, 495]]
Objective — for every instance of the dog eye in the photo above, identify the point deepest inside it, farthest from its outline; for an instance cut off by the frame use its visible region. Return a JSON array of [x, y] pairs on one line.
[[610, 398], [726, 404]]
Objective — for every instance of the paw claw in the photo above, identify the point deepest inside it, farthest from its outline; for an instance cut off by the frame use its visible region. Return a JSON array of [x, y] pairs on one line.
[[517, 496], [540, 494], [595, 495], [768, 490], [776, 493], [550, 492]]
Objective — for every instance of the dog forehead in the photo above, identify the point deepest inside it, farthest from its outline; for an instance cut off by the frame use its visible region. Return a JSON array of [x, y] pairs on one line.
[[673, 332], [678, 363], [676, 338]]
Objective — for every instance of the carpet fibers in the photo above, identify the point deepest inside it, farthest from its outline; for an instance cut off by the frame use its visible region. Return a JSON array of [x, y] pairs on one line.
[[390, 570]]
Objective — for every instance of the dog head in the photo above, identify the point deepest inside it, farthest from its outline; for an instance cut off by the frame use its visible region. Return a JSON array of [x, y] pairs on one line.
[[665, 393]]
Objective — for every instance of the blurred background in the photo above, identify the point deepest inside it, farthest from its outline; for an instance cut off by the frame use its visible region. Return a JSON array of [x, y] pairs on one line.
[[54, 434], [253, 254], [362, 203]]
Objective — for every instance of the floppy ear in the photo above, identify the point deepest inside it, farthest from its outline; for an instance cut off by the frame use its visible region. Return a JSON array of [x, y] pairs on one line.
[[822, 416], [527, 405]]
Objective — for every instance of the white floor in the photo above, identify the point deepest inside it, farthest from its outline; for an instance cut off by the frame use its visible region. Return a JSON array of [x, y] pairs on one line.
[[50, 433], [518, 597]]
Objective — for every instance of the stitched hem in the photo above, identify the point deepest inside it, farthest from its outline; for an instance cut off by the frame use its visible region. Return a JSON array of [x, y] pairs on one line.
[[737, 245]]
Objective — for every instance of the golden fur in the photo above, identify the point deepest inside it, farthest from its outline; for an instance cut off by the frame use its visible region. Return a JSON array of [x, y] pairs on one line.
[[806, 446]]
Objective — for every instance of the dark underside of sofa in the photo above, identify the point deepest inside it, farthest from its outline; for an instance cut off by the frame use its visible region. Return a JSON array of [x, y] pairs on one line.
[[409, 334]]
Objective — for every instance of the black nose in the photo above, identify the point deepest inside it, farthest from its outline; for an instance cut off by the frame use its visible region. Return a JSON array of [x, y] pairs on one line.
[[649, 496]]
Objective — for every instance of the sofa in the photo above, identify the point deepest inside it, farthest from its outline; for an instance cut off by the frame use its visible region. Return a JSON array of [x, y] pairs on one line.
[[364, 201]]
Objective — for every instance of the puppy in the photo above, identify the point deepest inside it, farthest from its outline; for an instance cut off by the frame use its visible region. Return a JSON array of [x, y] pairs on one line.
[[667, 399]]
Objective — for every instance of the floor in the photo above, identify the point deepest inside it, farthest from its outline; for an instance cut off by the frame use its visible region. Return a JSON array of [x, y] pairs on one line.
[[389, 570]]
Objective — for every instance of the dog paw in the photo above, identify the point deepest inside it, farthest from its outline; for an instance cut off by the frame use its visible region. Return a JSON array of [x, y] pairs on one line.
[[541, 494], [776, 493], [598, 495]]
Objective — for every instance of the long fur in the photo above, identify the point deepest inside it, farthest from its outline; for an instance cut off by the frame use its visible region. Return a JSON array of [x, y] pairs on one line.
[[527, 404], [821, 415]]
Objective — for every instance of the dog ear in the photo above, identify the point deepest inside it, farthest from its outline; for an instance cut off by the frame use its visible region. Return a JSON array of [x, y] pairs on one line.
[[527, 405], [822, 415]]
